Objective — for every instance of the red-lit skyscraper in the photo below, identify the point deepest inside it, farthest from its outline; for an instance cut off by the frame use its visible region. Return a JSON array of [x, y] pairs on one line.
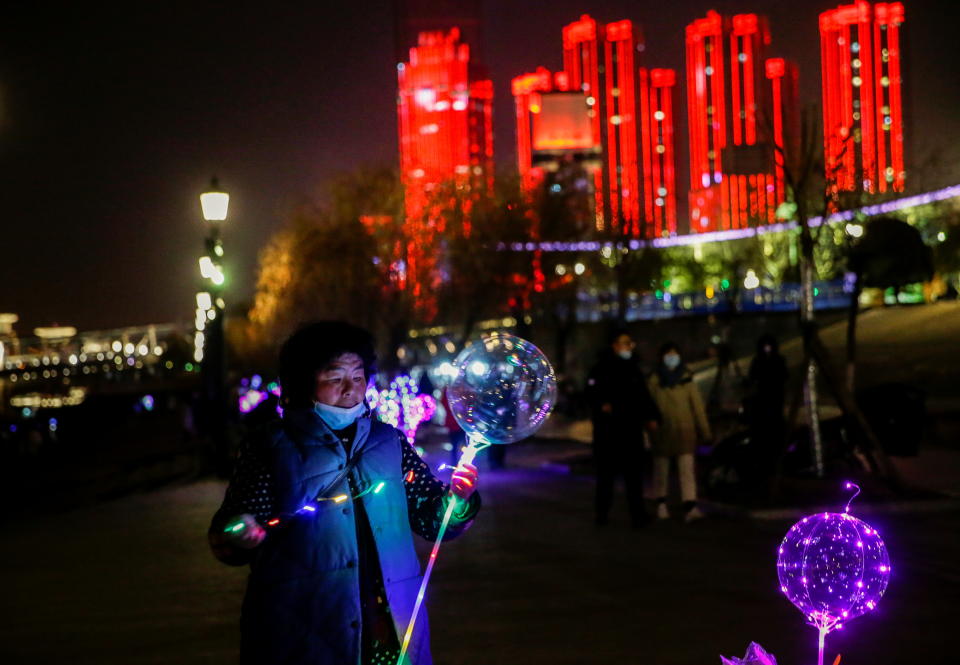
[[600, 77], [622, 181], [589, 49], [411, 17], [733, 108], [862, 97], [656, 128], [446, 137], [784, 92]]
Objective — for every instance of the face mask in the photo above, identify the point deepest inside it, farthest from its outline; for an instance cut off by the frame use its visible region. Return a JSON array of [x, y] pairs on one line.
[[338, 417], [671, 360], [626, 354]]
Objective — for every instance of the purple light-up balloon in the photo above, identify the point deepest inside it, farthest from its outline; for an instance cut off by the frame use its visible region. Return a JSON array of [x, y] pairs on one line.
[[833, 567]]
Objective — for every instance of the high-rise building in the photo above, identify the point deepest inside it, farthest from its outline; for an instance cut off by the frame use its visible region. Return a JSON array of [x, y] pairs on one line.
[[732, 118], [785, 92], [610, 87], [411, 17], [657, 101], [590, 112], [862, 97], [446, 138]]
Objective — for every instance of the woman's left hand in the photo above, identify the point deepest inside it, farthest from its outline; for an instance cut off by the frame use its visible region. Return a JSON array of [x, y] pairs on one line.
[[463, 482]]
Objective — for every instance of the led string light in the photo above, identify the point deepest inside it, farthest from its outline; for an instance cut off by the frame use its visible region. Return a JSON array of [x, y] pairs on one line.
[[876, 210], [311, 507]]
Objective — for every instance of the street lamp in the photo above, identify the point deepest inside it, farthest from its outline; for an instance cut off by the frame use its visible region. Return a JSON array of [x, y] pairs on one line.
[[214, 203], [209, 346]]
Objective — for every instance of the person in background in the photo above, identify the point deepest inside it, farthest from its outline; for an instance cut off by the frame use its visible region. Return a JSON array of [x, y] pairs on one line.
[[323, 505], [683, 422], [621, 407], [458, 438], [766, 394]]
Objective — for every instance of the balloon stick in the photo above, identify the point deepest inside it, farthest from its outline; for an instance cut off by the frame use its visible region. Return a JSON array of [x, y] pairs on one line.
[[823, 636], [467, 457]]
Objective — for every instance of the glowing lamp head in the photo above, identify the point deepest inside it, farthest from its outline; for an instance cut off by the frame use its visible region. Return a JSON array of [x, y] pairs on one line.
[[833, 567], [214, 203]]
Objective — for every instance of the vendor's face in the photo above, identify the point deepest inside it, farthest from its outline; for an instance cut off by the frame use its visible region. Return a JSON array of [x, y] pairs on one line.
[[342, 382]]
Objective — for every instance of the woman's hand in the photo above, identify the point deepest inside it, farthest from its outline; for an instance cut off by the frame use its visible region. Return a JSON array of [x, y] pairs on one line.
[[463, 482], [243, 531]]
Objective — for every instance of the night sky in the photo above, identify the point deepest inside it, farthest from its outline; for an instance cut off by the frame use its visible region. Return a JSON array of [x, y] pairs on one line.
[[112, 122]]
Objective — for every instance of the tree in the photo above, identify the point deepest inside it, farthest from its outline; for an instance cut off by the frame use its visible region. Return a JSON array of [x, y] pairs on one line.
[[335, 260], [890, 253], [810, 189], [477, 278], [560, 211]]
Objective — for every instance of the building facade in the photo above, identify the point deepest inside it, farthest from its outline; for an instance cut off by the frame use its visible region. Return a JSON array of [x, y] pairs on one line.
[[657, 101], [593, 112], [863, 97], [445, 117], [736, 99]]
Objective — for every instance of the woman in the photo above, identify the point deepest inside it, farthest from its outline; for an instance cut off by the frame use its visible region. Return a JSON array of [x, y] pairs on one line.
[[322, 505], [682, 420]]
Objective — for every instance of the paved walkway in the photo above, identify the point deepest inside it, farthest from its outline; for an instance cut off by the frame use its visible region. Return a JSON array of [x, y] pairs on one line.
[[131, 581]]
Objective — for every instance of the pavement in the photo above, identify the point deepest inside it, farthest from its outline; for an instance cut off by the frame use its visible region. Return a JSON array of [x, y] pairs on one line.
[[533, 581], [130, 580]]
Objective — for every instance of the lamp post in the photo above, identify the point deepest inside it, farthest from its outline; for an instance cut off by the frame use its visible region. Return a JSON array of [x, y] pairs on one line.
[[209, 346]]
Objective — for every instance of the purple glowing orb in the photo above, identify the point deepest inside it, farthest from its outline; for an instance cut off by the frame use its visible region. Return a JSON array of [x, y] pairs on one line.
[[833, 567]]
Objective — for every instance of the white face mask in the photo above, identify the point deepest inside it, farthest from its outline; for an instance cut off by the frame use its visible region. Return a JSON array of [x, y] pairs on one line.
[[338, 417], [626, 354], [671, 360]]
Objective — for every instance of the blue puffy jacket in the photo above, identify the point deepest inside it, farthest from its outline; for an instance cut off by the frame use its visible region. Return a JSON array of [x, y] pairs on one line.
[[303, 596]]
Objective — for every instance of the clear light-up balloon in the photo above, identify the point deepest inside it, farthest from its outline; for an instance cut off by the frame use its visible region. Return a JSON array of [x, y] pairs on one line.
[[504, 389], [833, 567]]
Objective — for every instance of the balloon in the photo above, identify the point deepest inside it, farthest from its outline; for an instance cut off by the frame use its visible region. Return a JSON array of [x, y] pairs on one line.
[[504, 388], [833, 567]]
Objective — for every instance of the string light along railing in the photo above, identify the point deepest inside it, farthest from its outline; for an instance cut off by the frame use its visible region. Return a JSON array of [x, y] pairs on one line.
[[885, 208], [834, 568]]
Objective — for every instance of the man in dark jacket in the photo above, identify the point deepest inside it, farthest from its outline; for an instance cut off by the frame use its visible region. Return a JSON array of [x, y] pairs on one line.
[[764, 405], [323, 506], [622, 407]]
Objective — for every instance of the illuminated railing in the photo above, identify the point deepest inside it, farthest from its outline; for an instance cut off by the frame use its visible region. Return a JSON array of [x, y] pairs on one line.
[[885, 208]]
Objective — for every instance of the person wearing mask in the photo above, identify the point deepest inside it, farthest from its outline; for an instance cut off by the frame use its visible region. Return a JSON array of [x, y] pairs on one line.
[[323, 505], [767, 385], [683, 422], [619, 400]]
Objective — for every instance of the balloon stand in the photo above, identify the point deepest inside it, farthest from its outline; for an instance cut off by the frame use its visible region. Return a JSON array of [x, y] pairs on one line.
[[821, 642], [469, 454]]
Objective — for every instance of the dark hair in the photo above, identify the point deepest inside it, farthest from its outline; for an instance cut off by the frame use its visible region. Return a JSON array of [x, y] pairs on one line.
[[667, 348], [765, 339], [314, 346], [615, 333]]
